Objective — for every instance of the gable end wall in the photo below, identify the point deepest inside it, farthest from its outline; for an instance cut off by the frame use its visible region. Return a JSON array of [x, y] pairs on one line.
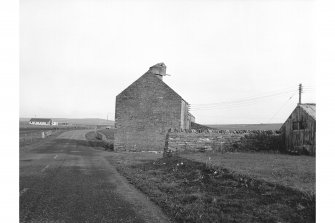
[[143, 114]]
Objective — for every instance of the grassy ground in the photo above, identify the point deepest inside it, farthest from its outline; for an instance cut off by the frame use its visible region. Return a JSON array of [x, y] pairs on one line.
[[109, 133], [297, 172], [91, 136], [94, 142], [270, 126], [27, 137], [191, 191]]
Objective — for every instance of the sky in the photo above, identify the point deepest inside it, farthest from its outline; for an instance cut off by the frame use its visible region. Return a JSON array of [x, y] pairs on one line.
[[235, 62]]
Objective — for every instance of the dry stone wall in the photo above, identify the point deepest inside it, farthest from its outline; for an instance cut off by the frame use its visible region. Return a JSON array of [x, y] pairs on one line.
[[222, 141]]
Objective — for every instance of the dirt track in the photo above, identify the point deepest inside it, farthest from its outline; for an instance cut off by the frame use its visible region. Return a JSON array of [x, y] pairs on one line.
[[63, 179]]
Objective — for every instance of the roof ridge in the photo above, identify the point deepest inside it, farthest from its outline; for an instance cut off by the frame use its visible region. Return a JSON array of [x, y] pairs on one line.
[[169, 87], [309, 108]]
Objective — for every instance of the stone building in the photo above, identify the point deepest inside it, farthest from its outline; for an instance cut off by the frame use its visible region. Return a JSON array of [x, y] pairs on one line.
[[300, 128], [145, 111]]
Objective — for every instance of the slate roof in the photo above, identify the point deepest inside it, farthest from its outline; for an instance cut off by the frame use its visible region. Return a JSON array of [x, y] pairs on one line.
[[40, 120], [310, 109]]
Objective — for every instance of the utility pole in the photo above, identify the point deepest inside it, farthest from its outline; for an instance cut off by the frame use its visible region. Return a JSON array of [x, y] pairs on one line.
[[300, 91]]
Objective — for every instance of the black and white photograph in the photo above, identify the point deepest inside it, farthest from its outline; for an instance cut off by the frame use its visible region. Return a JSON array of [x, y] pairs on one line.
[[167, 111]]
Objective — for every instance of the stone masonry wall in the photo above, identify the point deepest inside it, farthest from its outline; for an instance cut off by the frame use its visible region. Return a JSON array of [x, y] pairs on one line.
[[222, 141], [144, 112]]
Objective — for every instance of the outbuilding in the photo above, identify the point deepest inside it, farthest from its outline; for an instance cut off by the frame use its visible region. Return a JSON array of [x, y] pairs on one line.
[[299, 130]]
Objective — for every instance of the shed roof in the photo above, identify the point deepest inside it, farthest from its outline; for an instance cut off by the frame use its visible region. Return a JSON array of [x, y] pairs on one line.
[[310, 109], [41, 120]]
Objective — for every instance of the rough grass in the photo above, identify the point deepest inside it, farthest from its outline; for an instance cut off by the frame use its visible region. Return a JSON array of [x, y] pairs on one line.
[[297, 172], [269, 126], [91, 136], [27, 137], [95, 142], [109, 133], [190, 191]]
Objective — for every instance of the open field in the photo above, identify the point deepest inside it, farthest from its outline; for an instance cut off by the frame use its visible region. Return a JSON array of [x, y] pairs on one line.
[[270, 126], [191, 191], [297, 172]]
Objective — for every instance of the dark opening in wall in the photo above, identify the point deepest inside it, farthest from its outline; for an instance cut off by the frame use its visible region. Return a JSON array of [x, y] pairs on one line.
[[298, 125]]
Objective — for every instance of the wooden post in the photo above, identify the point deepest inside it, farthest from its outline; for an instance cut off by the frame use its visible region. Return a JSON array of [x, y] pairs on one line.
[[300, 90]]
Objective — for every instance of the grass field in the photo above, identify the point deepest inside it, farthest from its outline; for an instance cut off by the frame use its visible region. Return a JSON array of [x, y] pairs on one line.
[[29, 136], [297, 172], [191, 191], [270, 126]]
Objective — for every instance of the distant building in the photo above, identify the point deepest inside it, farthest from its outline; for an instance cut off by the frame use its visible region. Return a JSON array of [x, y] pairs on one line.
[[145, 111], [300, 128], [40, 121]]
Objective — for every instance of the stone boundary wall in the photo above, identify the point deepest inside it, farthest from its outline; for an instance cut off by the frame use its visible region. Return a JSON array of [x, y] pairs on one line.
[[222, 141]]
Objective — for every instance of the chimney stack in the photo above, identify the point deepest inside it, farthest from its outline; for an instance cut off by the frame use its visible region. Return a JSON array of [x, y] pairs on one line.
[[159, 70]]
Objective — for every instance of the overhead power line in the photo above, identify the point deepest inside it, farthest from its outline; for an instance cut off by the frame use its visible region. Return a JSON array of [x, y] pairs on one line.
[[237, 102], [281, 108], [290, 89]]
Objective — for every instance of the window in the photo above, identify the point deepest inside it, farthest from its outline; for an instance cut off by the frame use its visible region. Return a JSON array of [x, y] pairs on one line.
[[299, 125], [295, 125], [303, 125]]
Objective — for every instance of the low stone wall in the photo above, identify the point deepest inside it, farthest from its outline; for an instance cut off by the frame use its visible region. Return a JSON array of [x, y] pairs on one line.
[[222, 141]]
